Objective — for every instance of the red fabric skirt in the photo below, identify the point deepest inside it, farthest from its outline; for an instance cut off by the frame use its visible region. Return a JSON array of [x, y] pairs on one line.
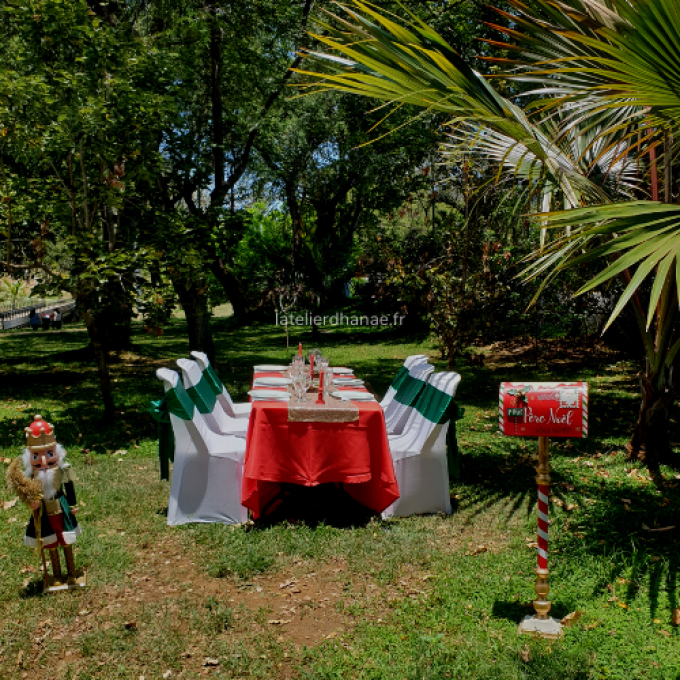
[[356, 454]]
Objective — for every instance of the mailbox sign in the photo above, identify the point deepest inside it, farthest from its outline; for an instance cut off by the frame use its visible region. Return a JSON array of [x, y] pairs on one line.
[[543, 409]]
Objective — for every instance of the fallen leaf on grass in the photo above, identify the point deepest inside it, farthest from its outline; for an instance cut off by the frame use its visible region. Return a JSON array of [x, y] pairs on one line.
[[6, 461], [570, 506], [592, 625], [571, 619], [665, 632], [20, 658], [525, 654], [670, 528], [675, 618], [477, 551], [30, 569], [211, 662], [278, 622], [131, 625], [167, 674], [6, 505], [556, 501]]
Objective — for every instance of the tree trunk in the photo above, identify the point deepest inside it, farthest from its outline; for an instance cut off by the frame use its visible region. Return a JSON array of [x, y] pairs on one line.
[[296, 223], [101, 357], [231, 287], [650, 441], [192, 299]]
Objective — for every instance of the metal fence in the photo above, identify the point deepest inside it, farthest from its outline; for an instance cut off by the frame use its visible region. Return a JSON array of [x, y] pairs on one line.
[[16, 318]]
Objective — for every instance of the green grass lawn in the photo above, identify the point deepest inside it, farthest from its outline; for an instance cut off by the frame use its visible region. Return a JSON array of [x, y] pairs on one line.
[[416, 598]]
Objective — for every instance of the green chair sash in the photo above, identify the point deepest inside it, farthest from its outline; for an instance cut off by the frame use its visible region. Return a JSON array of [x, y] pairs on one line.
[[178, 403], [203, 396], [433, 404], [213, 380], [399, 378], [409, 389], [438, 407]]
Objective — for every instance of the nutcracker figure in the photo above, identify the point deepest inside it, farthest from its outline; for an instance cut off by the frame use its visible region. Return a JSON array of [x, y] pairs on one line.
[[43, 480]]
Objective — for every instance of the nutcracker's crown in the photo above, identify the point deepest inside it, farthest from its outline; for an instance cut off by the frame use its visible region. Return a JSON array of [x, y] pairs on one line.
[[39, 435]]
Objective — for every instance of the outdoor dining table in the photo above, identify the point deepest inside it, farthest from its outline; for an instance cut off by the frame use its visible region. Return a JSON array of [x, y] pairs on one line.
[[280, 450]]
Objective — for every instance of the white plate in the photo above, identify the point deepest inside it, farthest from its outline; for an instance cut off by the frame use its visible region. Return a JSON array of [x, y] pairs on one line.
[[351, 395], [272, 382], [341, 370], [269, 368], [269, 395], [347, 382]]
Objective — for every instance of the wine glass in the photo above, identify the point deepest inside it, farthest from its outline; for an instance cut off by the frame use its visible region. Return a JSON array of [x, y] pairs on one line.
[[298, 378], [328, 380], [308, 380]]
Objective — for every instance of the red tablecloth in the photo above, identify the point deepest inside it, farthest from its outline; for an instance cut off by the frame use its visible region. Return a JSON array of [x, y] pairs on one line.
[[356, 454]]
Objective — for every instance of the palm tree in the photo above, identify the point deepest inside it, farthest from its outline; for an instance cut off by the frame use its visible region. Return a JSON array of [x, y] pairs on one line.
[[600, 82]]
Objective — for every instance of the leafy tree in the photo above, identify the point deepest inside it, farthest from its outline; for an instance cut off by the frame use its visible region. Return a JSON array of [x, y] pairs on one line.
[[323, 160], [81, 102]]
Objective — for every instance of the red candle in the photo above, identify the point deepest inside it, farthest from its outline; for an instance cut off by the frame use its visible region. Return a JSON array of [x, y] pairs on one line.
[[311, 365], [320, 399], [300, 349]]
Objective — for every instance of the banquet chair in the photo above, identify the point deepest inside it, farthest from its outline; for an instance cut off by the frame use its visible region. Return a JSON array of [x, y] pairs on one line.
[[419, 454], [409, 362], [216, 385], [208, 467], [398, 409], [206, 401]]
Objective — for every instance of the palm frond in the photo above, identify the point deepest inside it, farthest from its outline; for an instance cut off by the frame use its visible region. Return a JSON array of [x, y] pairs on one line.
[[640, 235]]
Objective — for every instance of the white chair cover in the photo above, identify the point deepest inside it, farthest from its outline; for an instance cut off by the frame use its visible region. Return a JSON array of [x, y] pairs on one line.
[[398, 410], [207, 403], [409, 362], [230, 408], [419, 454], [208, 467]]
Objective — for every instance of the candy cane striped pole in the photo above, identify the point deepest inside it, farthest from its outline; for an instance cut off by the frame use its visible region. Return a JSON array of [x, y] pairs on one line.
[[584, 410], [541, 603], [543, 520]]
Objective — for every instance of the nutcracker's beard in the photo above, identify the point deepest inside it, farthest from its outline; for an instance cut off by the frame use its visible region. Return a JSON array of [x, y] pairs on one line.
[[46, 478]]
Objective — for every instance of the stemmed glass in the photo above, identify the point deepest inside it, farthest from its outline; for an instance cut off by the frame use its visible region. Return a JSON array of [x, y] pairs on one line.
[[328, 380], [323, 363], [296, 364], [299, 376]]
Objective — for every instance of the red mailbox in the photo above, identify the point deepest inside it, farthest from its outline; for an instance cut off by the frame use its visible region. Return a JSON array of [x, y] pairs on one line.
[[543, 409]]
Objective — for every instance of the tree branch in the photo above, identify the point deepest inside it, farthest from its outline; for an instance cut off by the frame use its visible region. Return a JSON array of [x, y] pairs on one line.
[[222, 185]]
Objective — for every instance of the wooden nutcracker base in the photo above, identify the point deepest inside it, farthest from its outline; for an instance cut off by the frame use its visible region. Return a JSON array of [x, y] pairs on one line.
[[54, 586]]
